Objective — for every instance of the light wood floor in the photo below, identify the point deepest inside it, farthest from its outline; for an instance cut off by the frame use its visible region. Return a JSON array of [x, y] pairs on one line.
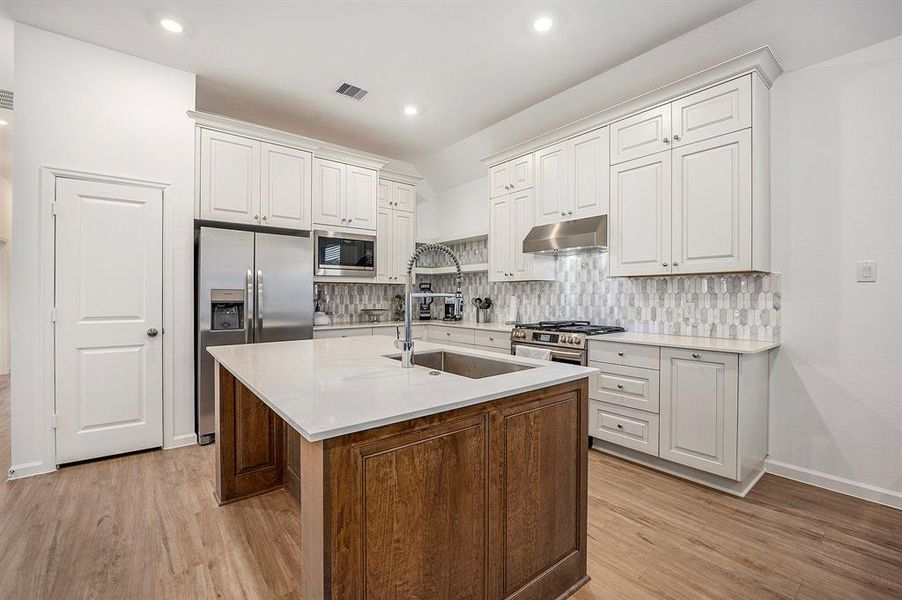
[[146, 526]]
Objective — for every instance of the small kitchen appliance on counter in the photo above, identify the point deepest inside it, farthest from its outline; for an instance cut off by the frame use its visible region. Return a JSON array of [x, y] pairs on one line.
[[481, 304], [425, 312], [454, 309], [567, 340]]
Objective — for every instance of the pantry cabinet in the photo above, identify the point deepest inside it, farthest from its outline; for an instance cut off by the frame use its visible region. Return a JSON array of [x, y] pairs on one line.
[[395, 236], [511, 217], [344, 195], [571, 179]]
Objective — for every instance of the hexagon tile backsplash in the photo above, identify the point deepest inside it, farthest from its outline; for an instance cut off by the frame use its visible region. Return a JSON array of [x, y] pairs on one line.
[[740, 306]]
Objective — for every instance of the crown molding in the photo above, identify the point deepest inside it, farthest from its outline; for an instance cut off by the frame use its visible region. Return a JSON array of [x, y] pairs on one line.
[[400, 177], [760, 61], [319, 148]]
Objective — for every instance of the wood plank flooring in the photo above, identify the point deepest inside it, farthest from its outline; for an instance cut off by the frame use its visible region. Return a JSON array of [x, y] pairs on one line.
[[146, 526]]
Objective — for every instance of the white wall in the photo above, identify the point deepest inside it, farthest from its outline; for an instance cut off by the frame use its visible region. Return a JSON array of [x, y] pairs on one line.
[[836, 385], [83, 107], [6, 208], [457, 212]]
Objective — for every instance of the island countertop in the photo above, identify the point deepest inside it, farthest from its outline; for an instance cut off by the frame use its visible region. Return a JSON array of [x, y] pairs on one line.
[[331, 387]]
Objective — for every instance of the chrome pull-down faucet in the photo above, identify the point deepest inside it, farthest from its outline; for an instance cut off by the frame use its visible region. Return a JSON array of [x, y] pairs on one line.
[[406, 345]]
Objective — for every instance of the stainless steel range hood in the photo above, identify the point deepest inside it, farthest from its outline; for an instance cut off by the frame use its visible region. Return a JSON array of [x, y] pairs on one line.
[[579, 235]]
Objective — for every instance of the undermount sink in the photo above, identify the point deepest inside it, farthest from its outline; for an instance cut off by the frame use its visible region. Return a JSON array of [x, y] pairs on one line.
[[465, 365]]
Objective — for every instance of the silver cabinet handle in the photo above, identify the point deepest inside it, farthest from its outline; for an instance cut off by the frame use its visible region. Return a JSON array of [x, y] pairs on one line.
[[695, 355], [676, 264], [663, 264], [563, 214], [264, 217], [152, 332], [666, 141], [619, 386], [676, 137], [619, 426], [569, 212], [491, 339], [342, 220], [256, 217], [620, 354], [349, 220]]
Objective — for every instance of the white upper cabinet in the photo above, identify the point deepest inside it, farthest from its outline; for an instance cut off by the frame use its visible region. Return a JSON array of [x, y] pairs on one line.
[[395, 231], [329, 192], [715, 111], [640, 135], [286, 178], [640, 218], [514, 175], [522, 215], [551, 180], [699, 410], [510, 219], [229, 177], [385, 251], [363, 186], [385, 193], [404, 196], [712, 205], [589, 157], [404, 234], [500, 235]]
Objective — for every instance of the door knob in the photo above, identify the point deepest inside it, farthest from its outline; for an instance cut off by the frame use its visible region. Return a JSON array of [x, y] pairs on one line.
[[152, 332]]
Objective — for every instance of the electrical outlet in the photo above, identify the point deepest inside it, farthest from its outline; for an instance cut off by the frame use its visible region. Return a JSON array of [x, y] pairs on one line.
[[867, 271]]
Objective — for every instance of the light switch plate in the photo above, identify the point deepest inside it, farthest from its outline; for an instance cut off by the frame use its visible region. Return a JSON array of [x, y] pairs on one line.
[[867, 271]]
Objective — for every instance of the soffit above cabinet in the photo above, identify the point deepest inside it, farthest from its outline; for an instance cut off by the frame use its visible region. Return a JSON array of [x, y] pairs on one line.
[[319, 148], [760, 61]]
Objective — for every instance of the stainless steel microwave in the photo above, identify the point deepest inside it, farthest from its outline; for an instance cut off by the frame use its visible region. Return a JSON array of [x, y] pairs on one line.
[[344, 254]]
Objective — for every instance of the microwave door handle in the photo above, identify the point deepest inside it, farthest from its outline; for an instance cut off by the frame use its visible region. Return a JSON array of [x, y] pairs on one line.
[[260, 304], [249, 308]]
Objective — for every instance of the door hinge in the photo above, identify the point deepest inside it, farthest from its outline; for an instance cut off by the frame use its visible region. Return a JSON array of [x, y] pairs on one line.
[[53, 315], [53, 421], [53, 208]]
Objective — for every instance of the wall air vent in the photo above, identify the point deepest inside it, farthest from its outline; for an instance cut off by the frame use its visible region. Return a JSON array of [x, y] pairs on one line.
[[351, 91], [6, 99]]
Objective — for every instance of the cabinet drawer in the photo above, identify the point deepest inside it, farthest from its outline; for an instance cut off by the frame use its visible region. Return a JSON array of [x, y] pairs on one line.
[[342, 333], [626, 386], [629, 355], [493, 339], [451, 334], [392, 331], [627, 427]]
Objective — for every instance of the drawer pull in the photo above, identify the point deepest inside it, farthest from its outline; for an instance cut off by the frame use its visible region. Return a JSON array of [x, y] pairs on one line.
[[491, 339], [620, 354], [448, 333], [619, 426], [695, 355], [619, 386]]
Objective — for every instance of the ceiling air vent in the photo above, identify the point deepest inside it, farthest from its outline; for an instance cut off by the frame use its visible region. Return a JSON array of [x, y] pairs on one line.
[[6, 99], [351, 91]]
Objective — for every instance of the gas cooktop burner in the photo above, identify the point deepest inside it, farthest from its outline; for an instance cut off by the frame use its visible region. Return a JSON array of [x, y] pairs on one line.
[[583, 327]]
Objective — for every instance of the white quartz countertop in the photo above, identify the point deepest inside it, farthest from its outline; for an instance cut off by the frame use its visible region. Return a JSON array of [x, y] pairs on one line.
[[438, 322], [331, 387], [691, 342]]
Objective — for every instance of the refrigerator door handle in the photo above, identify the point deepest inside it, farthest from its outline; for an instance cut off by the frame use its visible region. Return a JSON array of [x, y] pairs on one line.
[[249, 309], [260, 303]]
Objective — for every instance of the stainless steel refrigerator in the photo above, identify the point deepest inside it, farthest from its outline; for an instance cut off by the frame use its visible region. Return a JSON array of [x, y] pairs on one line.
[[251, 288]]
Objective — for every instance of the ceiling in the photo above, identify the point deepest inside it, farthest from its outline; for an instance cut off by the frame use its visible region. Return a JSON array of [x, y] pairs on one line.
[[466, 64]]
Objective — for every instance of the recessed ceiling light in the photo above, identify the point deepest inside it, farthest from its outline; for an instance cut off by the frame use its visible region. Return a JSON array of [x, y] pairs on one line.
[[2, 123], [171, 26], [411, 110], [542, 24]]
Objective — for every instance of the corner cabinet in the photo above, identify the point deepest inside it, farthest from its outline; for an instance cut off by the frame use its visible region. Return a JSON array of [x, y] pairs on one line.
[[344, 195], [510, 218], [243, 180], [690, 184]]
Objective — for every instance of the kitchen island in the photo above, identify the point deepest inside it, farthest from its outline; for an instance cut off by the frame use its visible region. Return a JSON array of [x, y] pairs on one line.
[[412, 483]]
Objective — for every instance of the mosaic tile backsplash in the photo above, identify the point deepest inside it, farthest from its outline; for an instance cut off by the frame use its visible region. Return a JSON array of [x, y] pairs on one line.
[[740, 306]]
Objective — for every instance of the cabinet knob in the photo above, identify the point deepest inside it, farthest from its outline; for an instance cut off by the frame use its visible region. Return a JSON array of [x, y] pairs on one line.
[[695, 355], [676, 264], [256, 217], [563, 214], [620, 354], [663, 264], [666, 141], [264, 217], [619, 386], [676, 137], [569, 212], [491, 339], [619, 426], [349, 220]]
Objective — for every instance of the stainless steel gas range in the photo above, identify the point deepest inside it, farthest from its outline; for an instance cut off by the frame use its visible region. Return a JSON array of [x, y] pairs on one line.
[[567, 340]]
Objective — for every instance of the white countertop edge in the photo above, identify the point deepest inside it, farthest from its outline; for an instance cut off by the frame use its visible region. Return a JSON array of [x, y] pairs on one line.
[[436, 322], [688, 342]]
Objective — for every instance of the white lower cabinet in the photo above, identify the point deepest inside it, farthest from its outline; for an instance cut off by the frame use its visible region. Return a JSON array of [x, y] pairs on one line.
[[699, 410], [627, 427], [631, 387]]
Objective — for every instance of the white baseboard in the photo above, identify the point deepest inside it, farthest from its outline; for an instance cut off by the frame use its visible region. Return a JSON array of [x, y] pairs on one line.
[[836, 484], [29, 470], [186, 439]]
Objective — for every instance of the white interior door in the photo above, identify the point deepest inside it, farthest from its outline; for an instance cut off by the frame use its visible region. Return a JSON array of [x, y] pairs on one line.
[[109, 302]]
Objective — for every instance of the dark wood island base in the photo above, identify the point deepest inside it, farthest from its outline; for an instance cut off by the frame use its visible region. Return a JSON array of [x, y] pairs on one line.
[[487, 501]]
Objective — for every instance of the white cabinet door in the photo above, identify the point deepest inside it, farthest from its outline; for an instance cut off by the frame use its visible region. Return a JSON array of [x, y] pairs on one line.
[[286, 175], [521, 173], [385, 193], [699, 409], [404, 231], [385, 248], [589, 163], [639, 224], [640, 135], [499, 180], [329, 192], [715, 111], [361, 199], [229, 177], [500, 226], [404, 197], [551, 184], [522, 211], [712, 205]]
